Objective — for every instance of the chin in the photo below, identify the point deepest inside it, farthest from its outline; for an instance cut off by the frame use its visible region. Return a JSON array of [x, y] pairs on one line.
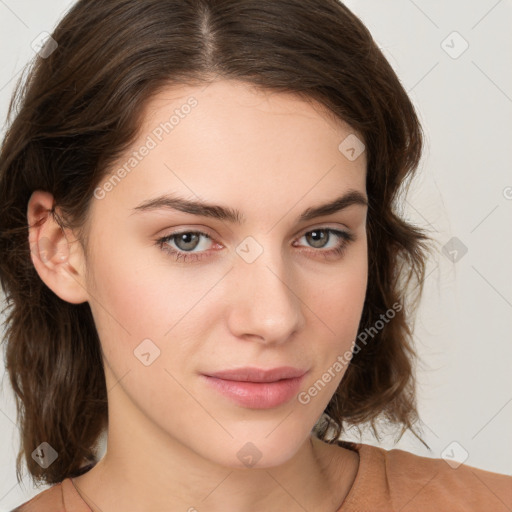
[[259, 453]]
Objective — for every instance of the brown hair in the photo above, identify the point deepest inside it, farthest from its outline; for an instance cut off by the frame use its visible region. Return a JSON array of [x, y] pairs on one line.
[[80, 107]]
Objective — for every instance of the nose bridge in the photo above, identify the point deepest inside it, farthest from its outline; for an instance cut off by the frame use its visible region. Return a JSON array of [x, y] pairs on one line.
[[265, 303]]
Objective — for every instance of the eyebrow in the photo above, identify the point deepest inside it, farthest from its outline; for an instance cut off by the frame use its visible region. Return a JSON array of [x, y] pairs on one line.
[[204, 209]]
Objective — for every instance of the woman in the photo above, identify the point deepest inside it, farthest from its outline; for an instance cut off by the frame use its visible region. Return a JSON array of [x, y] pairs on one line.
[[202, 257]]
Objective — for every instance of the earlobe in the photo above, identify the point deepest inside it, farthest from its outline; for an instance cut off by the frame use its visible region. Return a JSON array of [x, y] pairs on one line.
[[55, 253]]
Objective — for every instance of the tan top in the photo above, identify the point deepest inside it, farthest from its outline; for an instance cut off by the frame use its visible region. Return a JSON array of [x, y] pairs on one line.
[[386, 481]]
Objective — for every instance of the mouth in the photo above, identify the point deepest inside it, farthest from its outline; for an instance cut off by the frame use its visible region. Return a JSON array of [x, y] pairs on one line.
[[257, 388]]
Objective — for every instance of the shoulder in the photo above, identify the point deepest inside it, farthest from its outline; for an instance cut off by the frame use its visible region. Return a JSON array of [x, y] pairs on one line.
[[408, 482], [49, 500]]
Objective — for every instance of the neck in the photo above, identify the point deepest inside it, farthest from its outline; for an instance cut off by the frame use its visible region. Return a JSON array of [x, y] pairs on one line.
[[317, 478]]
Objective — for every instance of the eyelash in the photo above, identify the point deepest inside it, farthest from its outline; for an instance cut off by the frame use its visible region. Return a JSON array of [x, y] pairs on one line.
[[346, 237]]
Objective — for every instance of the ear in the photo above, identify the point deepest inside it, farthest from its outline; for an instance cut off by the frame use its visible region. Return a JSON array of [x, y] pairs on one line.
[[56, 254]]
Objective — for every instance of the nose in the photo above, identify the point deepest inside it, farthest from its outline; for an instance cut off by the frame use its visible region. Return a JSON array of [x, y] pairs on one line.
[[264, 305]]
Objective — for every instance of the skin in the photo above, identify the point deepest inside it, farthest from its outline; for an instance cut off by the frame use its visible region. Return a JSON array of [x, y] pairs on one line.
[[172, 440]]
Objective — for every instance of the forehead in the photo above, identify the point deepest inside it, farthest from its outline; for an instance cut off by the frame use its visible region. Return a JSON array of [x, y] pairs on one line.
[[225, 98], [230, 114], [219, 141]]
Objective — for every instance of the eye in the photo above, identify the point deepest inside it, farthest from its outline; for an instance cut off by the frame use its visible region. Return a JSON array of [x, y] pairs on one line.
[[320, 237], [185, 242]]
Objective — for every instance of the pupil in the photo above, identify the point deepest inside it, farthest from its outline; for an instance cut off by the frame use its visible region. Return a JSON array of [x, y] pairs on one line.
[[317, 236], [187, 238]]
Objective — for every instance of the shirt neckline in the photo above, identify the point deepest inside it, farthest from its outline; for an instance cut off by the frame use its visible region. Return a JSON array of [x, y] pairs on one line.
[[72, 497]]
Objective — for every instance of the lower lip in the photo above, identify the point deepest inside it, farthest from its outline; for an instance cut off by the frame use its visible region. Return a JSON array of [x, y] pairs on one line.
[[257, 395]]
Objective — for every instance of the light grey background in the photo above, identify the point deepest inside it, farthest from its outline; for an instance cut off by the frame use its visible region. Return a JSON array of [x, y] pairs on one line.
[[464, 190]]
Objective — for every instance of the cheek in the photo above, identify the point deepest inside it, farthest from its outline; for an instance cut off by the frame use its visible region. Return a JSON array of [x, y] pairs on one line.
[[339, 299], [136, 299], [141, 317], [123, 295], [339, 304]]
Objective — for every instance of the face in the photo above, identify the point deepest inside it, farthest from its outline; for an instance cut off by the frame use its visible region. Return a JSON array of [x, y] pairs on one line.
[[179, 293]]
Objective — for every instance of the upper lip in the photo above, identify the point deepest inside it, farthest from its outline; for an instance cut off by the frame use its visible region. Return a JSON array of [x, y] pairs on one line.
[[251, 374]]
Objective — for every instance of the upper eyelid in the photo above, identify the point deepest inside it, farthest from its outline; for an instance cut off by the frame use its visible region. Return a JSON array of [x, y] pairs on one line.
[[204, 231], [213, 239]]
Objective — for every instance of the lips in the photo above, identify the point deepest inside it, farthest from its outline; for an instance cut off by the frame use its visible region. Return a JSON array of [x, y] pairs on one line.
[[257, 388], [252, 374]]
